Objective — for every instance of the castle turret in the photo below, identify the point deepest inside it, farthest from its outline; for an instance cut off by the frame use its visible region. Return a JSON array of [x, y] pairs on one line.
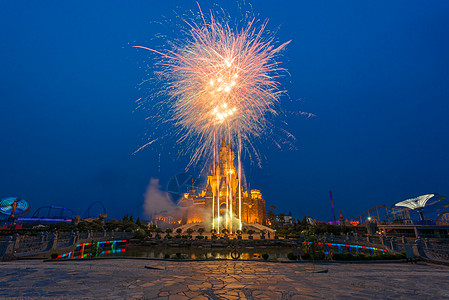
[[222, 194]]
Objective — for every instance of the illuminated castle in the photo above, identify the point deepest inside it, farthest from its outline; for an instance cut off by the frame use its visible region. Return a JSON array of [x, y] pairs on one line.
[[224, 201]]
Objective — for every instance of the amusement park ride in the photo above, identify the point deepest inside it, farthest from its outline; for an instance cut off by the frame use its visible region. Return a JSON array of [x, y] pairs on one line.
[[406, 218], [13, 209]]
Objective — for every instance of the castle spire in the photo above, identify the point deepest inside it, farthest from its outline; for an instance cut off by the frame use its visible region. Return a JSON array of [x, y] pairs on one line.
[[223, 142]]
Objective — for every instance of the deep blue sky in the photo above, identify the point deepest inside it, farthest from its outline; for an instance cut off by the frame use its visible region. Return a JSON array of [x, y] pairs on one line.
[[375, 74]]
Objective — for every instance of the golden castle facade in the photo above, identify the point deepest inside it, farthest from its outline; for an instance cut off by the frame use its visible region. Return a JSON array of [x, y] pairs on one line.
[[223, 200]]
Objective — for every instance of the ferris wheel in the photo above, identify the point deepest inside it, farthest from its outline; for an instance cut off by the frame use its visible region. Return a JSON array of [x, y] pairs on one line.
[[443, 219]]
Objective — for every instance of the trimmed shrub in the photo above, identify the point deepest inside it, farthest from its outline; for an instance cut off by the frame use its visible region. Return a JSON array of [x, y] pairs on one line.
[[361, 256], [305, 256], [140, 234], [291, 256], [265, 256], [342, 256]]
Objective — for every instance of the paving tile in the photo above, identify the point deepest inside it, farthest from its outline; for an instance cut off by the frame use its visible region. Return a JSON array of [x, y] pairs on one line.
[[219, 279], [178, 297], [200, 297]]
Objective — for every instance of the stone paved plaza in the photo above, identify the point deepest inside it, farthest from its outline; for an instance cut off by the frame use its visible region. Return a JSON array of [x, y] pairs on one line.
[[152, 279]]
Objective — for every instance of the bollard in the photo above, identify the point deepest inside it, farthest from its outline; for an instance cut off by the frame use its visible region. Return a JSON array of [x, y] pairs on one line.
[[53, 244], [73, 238], [6, 247], [393, 244], [16, 240], [41, 237], [418, 249], [427, 243]]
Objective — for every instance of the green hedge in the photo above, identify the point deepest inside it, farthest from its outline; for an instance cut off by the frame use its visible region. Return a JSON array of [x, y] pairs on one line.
[[350, 256]]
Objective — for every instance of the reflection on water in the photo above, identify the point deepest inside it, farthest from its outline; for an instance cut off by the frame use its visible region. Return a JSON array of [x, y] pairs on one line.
[[205, 253], [122, 248]]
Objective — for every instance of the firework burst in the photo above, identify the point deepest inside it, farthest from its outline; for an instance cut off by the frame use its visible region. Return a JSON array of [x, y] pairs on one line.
[[221, 81]]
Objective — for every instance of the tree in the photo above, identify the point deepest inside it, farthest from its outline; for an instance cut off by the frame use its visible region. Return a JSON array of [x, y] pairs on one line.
[[129, 226], [178, 231], [158, 233], [251, 232], [200, 231], [84, 226], [140, 233], [112, 225], [138, 223], [313, 246], [271, 216], [63, 226], [189, 231]]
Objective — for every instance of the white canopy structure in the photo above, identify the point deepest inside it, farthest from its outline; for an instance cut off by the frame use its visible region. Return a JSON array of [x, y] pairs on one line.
[[417, 202]]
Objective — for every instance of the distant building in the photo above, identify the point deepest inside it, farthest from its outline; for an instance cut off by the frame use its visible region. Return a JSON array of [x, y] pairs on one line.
[[284, 220]]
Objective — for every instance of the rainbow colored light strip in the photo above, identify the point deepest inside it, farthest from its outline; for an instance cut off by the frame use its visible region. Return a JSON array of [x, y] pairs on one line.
[[69, 255], [355, 246], [105, 242], [351, 246]]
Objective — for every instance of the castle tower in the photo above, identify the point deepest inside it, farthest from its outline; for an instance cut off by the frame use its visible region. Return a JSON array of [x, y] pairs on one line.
[[221, 196]]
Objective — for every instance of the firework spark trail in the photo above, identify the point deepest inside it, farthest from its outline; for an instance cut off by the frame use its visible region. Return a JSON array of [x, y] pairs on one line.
[[221, 81], [144, 146]]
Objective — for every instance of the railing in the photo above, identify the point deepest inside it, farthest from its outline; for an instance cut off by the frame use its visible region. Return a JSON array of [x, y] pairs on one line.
[[436, 251], [52, 242], [29, 242], [64, 243]]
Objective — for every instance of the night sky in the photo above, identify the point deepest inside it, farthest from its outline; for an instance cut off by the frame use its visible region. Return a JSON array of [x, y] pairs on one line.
[[375, 74]]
